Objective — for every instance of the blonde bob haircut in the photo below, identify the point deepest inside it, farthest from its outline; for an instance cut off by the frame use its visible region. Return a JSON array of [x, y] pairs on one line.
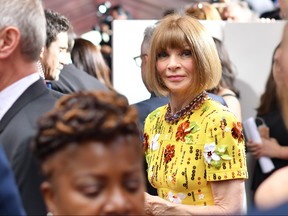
[[179, 32]]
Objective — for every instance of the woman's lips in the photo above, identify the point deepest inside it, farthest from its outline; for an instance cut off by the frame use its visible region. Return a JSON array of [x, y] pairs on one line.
[[175, 78]]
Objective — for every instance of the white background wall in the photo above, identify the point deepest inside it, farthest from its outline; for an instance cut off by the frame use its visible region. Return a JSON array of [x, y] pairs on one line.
[[250, 46]]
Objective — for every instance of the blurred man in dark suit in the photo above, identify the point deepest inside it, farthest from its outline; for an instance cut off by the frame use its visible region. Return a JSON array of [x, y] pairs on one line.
[[25, 96]]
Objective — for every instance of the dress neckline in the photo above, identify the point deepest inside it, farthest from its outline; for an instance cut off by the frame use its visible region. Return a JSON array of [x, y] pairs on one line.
[[195, 104]]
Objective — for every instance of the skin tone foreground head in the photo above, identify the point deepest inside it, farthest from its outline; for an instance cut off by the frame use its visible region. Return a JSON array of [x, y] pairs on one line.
[[91, 156]]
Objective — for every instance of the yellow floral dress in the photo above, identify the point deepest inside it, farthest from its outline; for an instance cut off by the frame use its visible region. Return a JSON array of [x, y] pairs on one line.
[[186, 156]]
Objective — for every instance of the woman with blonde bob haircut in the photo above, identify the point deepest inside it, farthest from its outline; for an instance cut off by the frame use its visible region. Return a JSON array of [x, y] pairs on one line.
[[194, 146], [185, 32]]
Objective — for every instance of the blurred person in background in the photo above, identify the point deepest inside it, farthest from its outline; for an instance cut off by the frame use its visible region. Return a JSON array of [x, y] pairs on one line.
[[270, 114], [87, 57], [272, 194], [53, 56], [273, 111], [226, 87], [279, 13], [203, 11], [116, 12], [72, 79], [23, 94], [238, 11]]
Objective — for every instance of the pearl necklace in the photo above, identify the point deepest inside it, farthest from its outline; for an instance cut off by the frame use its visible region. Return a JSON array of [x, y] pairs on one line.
[[195, 104]]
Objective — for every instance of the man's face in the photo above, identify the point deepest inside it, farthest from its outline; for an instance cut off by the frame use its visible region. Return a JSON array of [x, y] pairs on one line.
[[55, 56]]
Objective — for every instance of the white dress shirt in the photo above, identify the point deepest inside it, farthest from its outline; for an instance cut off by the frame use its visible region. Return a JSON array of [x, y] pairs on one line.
[[9, 95]]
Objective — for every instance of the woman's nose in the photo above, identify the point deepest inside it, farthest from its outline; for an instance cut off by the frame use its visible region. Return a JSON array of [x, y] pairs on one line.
[[173, 63], [117, 204]]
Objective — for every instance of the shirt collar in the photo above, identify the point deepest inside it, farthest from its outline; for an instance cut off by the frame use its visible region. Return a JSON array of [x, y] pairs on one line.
[[9, 95]]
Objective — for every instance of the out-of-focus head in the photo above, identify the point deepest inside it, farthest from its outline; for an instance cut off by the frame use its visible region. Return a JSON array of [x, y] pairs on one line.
[[144, 53], [228, 75], [276, 70], [169, 12], [83, 56], [91, 155], [118, 13], [54, 54], [180, 32], [237, 11], [88, 57], [271, 98], [203, 11], [24, 19], [283, 58], [283, 4]]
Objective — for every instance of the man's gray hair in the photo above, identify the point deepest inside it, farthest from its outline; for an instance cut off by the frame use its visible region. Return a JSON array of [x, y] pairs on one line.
[[148, 33], [28, 17]]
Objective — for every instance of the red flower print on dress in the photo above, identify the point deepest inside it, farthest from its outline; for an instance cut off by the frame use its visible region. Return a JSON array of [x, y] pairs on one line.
[[169, 153], [182, 130], [237, 131], [145, 142]]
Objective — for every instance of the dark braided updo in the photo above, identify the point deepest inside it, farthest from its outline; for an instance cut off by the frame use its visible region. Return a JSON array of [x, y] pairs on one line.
[[84, 116]]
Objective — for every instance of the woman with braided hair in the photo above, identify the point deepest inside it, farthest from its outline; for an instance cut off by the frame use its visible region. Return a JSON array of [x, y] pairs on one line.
[[91, 156]]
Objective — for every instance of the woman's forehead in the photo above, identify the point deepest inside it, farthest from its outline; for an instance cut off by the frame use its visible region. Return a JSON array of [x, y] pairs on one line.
[[94, 153], [172, 44], [173, 39]]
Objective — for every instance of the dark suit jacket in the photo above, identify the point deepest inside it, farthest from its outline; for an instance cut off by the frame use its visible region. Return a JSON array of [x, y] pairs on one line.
[[147, 106], [17, 129], [10, 202], [72, 79]]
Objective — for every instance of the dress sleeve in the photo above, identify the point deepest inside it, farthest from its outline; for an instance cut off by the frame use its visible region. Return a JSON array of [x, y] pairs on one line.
[[148, 131], [225, 157]]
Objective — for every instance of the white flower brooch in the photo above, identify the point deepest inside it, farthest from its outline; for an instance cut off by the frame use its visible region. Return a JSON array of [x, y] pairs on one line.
[[214, 154]]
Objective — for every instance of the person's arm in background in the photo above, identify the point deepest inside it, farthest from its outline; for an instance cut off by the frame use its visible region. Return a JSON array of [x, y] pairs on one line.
[[273, 192], [269, 147], [10, 202], [234, 104]]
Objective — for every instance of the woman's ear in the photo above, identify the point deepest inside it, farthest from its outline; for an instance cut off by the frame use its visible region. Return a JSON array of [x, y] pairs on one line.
[[49, 197]]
